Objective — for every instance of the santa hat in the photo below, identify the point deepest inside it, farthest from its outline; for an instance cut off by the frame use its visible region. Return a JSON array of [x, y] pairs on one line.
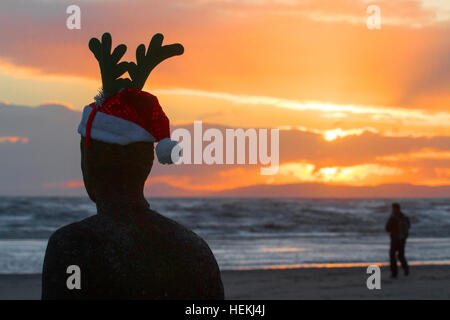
[[127, 117]]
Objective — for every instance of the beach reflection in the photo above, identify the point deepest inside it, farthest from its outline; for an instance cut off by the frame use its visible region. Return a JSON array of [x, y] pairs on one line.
[[345, 265], [282, 249]]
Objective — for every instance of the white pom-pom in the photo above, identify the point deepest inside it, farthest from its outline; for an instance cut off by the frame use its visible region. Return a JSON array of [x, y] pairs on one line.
[[168, 151]]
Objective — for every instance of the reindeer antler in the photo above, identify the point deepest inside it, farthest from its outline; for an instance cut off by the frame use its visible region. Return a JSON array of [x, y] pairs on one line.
[[146, 62], [110, 69]]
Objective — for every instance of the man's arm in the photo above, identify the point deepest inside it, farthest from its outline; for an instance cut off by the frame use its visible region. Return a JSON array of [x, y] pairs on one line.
[[389, 225]]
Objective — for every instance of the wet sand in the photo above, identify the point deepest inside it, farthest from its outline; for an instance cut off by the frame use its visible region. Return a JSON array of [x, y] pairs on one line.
[[424, 282]]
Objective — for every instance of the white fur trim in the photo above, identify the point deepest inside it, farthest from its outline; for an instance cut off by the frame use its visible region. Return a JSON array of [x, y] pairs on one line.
[[111, 129], [100, 98], [168, 151]]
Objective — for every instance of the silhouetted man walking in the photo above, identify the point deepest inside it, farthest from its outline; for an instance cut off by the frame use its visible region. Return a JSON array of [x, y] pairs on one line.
[[398, 226]]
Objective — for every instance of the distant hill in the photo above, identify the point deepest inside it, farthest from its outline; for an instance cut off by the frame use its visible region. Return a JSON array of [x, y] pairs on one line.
[[308, 190], [317, 190]]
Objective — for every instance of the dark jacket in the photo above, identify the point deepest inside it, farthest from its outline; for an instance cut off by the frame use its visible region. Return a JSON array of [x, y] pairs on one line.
[[398, 226]]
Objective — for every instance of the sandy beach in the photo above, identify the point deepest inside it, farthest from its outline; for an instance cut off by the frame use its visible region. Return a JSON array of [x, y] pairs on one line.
[[425, 282]]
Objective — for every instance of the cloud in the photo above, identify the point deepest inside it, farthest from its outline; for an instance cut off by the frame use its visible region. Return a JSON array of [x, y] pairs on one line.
[[376, 112], [352, 149], [65, 184], [432, 76], [14, 139], [413, 13], [412, 156], [256, 48], [49, 163]]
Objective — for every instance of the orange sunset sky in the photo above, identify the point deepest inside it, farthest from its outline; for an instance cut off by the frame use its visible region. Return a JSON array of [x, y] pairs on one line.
[[355, 106]]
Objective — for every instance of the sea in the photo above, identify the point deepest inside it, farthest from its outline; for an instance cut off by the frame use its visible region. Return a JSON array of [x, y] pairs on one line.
[[247, 233]]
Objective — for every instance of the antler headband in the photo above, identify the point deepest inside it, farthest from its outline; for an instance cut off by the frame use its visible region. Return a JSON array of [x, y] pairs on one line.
[[111, 69]]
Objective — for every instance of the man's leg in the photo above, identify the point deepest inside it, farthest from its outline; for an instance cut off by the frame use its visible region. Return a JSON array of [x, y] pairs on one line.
[[401, 257], [392, 253]]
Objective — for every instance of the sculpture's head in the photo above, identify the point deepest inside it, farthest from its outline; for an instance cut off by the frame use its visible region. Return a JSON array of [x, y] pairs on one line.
[[107, 166], [118, 130]]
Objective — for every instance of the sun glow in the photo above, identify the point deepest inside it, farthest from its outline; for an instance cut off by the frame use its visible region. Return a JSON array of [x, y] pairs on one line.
[[355, 175], [331, 135], [8, 139], [328, 173]]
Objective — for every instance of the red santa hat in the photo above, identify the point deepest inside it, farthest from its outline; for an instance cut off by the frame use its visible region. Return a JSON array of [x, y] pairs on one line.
[[127, 117]]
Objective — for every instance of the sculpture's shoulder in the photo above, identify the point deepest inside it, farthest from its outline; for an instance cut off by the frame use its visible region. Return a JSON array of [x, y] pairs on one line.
[[151, 228], [175, 233], [66, 247], [69, 237], [177, 241], [70, 245], [147, 255], [195, 264]]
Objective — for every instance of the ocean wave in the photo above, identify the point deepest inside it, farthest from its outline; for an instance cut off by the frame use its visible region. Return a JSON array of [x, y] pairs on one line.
[[246, 233], [222, 218]]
